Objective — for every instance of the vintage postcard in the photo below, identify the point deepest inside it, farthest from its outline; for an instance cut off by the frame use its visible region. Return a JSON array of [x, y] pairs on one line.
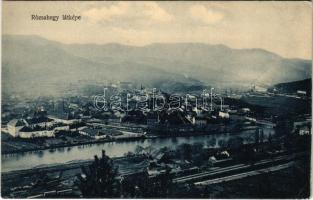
[[156, 99]]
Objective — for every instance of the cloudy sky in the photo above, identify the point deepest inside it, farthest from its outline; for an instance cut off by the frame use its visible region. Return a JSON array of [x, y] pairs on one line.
[[281, 27]]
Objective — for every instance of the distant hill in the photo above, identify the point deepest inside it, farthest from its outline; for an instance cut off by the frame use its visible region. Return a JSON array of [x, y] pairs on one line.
[[293, 87], [37, 65]]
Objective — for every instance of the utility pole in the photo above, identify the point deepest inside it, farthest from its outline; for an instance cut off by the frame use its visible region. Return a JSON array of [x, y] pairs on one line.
[[212, 99]]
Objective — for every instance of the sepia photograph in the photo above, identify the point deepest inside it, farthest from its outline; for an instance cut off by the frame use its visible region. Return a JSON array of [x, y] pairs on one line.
[[156, 99]]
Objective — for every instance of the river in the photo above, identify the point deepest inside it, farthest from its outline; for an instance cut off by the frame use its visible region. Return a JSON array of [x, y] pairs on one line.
[[27, 160]]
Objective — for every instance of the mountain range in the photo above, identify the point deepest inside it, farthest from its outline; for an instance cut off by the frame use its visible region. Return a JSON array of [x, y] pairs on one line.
[[44, 66]]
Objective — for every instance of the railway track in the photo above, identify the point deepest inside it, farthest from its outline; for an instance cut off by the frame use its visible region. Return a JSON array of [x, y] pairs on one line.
[[236, 169], [245, 174]]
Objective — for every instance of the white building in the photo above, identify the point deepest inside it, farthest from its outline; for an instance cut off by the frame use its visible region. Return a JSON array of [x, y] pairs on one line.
[[32, 134], [15, 125], [22, 128], [93, 133], [301, 92], [223, 115], [304, 131]]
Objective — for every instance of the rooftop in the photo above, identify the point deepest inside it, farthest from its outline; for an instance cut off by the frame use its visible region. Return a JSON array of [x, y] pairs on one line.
[[17, 122]]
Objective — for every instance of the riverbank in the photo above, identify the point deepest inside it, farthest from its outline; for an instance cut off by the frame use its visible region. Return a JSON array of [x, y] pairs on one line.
[[109, 140], [57, 146], [26, 160]]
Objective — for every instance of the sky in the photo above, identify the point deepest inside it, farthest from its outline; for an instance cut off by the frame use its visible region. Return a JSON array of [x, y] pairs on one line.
[[284, 28]]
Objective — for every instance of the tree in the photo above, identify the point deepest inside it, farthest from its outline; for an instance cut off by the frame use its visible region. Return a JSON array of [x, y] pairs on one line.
[[161, 186], [149, 149], [165, 182], [186, 151], [99, 179], [197, 147], [138, 149], [141, 186], [211, 142]]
